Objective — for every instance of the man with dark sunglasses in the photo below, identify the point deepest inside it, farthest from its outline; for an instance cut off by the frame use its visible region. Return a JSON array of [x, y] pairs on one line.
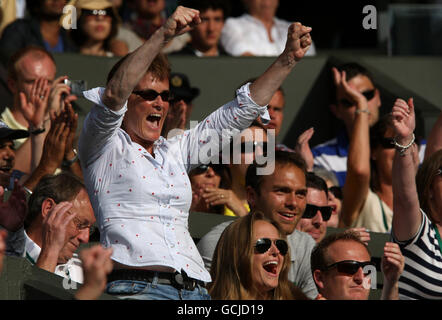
[[317, 211], [342, 268], [356, 98]]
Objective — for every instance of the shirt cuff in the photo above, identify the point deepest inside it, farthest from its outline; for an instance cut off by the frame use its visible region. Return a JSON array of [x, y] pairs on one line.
[[95, 95], [245, 98]]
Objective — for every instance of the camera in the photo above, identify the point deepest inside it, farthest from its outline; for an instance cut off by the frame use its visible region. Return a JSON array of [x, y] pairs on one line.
[[77, 86]]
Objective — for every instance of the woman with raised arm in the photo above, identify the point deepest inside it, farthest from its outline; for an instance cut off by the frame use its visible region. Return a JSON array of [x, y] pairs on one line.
[[417, 218]]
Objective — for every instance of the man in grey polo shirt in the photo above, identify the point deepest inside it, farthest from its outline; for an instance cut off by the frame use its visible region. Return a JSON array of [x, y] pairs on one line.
[[281, 196]]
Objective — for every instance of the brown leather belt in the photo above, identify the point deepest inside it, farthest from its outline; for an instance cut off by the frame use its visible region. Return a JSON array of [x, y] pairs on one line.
[[177, 280]]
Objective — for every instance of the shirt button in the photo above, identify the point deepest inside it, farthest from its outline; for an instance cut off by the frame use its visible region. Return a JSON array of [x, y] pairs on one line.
[[172, 246]]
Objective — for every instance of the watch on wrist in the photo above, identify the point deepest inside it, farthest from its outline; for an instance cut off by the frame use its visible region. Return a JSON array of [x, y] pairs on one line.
[[36, 131], [70, 162]]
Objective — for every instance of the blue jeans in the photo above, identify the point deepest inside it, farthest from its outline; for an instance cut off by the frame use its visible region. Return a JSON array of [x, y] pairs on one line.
[[141, 290]]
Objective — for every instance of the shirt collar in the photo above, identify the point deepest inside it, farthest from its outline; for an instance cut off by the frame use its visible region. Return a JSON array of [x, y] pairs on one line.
[[32, 250]]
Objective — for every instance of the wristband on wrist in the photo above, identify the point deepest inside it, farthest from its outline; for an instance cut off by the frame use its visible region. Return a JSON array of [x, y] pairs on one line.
[[402, 148], [68, 163]]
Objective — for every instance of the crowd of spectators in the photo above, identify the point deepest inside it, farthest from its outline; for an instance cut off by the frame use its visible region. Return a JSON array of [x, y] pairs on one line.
[[300, 231]]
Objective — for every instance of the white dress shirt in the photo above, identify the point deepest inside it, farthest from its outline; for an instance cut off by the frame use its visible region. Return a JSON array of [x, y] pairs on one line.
[[248, 34], [142, 202], [70, 270]]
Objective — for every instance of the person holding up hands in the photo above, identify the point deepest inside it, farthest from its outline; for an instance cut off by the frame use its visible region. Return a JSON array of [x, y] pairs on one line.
[[138, 181], [59, 219], [417, 201]]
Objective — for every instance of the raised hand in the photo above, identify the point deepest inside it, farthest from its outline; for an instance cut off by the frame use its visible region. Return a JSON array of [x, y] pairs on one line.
[[340, 81], [392, 263], [13, 211], [97, 264], [54, 147], [34, 109], [298, 40], [404, 121], [181, 21], [59, 93], [71, 119], [303, 148]]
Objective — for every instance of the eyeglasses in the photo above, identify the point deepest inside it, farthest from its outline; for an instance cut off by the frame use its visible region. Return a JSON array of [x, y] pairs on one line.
[[105, 13], [311, 211], [369, 94], [251, 146], [151, 95], [83, 225], [349, 267], [263, 245], [336, 191]]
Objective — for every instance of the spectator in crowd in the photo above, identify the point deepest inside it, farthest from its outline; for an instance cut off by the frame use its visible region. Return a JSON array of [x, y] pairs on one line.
[[253, 144], [181, 105], [97, 264], [97, 26], [258, 32], [147, 17], [417, 202], [59, 219], [368, 188], [317, 211], [211, 190], [335, 196], [60, 138], [13, 211], [124, 159], [281, 197], [31, 74], [251, 262], [339, 266], [42, 29], [205, 38], [348, 107]]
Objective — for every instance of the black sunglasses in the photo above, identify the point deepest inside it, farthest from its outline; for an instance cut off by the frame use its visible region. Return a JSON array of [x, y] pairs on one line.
[[349, 267], [204, 167], [311, 210], [250, 146], [369, 94], [263, 245], [150, 95], [337, 192]]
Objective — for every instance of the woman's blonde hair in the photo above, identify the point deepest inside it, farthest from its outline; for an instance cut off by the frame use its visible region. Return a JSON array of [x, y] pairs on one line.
[[231, 269]]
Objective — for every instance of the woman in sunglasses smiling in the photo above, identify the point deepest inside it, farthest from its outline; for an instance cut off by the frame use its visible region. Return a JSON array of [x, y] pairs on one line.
[[251, 262]]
